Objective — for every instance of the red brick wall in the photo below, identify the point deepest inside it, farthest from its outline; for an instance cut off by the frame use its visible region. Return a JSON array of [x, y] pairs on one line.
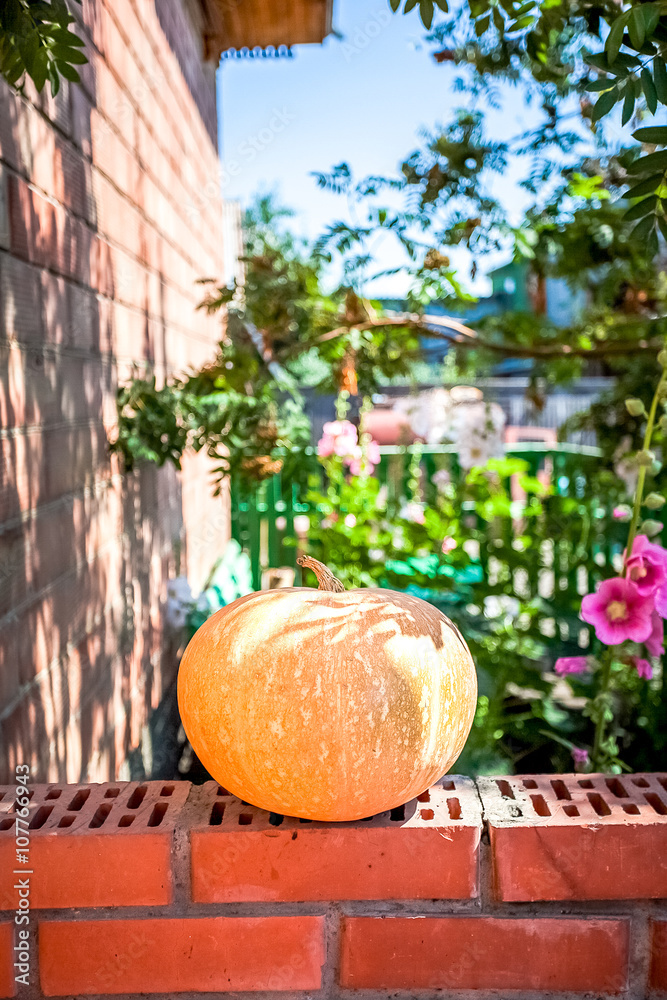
[[166, 888], [108, 214]]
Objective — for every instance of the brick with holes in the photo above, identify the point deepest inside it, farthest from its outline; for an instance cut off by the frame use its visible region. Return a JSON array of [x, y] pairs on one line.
[[577, 836], [95, 845], [241, 854]]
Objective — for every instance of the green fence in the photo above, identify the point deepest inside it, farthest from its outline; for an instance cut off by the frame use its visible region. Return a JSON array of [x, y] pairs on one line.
[[263, 518]]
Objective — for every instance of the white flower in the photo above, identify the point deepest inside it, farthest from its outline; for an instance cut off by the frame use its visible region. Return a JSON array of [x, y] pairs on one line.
[[413, 511], [478, 433], [429, 414], [625, 466], [179, 602], [441, 480], [179, 590]]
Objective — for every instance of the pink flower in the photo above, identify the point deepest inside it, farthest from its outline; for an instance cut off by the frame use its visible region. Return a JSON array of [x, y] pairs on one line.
[[373, 453], [660, 600], [580, 758], [449, 544], [646, 566], [622, 513], [325, 446], [618, 612], [337, 427], [643, 668], [359, 463], [339, 437], [345, 445], [655, 643], [570, 665], [350, 521], [413, 512]]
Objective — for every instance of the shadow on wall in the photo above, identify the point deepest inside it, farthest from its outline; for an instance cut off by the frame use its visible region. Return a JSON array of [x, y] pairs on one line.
[[83, 550]]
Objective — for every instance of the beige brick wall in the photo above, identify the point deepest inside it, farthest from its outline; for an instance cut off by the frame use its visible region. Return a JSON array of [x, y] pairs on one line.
[[109, 212]]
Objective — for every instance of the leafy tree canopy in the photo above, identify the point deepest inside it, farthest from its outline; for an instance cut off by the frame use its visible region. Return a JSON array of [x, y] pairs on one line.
[[36, 42], [604, 52]]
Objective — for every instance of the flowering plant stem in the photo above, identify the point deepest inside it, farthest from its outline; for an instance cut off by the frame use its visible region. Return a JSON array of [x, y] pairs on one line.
[[639, 493], [597, 755]]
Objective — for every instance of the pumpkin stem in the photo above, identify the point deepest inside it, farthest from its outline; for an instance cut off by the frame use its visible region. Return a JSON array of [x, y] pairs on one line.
[[325, 578]]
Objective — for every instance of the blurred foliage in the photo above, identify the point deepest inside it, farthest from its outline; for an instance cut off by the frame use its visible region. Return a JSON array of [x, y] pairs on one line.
[[615, 52], [35, 42], [512, 584], [244, 408], [576, 230]]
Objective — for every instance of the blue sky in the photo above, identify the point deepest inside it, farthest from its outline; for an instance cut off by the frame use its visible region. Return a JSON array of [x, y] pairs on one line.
[[362, 99]]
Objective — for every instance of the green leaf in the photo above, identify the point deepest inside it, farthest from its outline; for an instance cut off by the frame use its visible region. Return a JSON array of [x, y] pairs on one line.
[[522, 23], [652, 244], [615, 38], [641, 209], [643, 228], [650, 92], [65, 37], [653, 161], [648, 186], [651, 15], [628, 106], [28, 46], [660, 78], [442, 5], [605, 103], [394, 4], [654, 134], [68, 72], [598, 86], [426, 12], [40, 69], [482, 25], [636, 27], [69, 55], [410, 5], [54, 79], [662, 223]]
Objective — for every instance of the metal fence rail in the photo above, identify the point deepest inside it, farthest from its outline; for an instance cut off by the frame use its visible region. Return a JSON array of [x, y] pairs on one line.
[[263, 518]]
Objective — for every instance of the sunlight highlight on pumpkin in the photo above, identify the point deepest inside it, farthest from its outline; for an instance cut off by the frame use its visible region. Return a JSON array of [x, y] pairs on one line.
[[327, 705]]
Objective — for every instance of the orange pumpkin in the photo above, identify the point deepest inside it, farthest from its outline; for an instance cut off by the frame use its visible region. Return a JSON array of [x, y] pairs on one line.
[[327, 704]]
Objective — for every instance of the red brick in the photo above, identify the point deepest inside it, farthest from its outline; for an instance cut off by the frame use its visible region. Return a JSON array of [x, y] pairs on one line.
[[65, 536], [658, 972], [7, 981], [60, 287], [484, 953], [21, 315], [72, 180], [216, 954], [577, 836], [96, 845], [5, 240], [243, 858], [81, 112]]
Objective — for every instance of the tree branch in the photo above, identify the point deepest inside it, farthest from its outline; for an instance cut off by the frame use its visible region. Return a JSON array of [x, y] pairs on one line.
[[458, 334]]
